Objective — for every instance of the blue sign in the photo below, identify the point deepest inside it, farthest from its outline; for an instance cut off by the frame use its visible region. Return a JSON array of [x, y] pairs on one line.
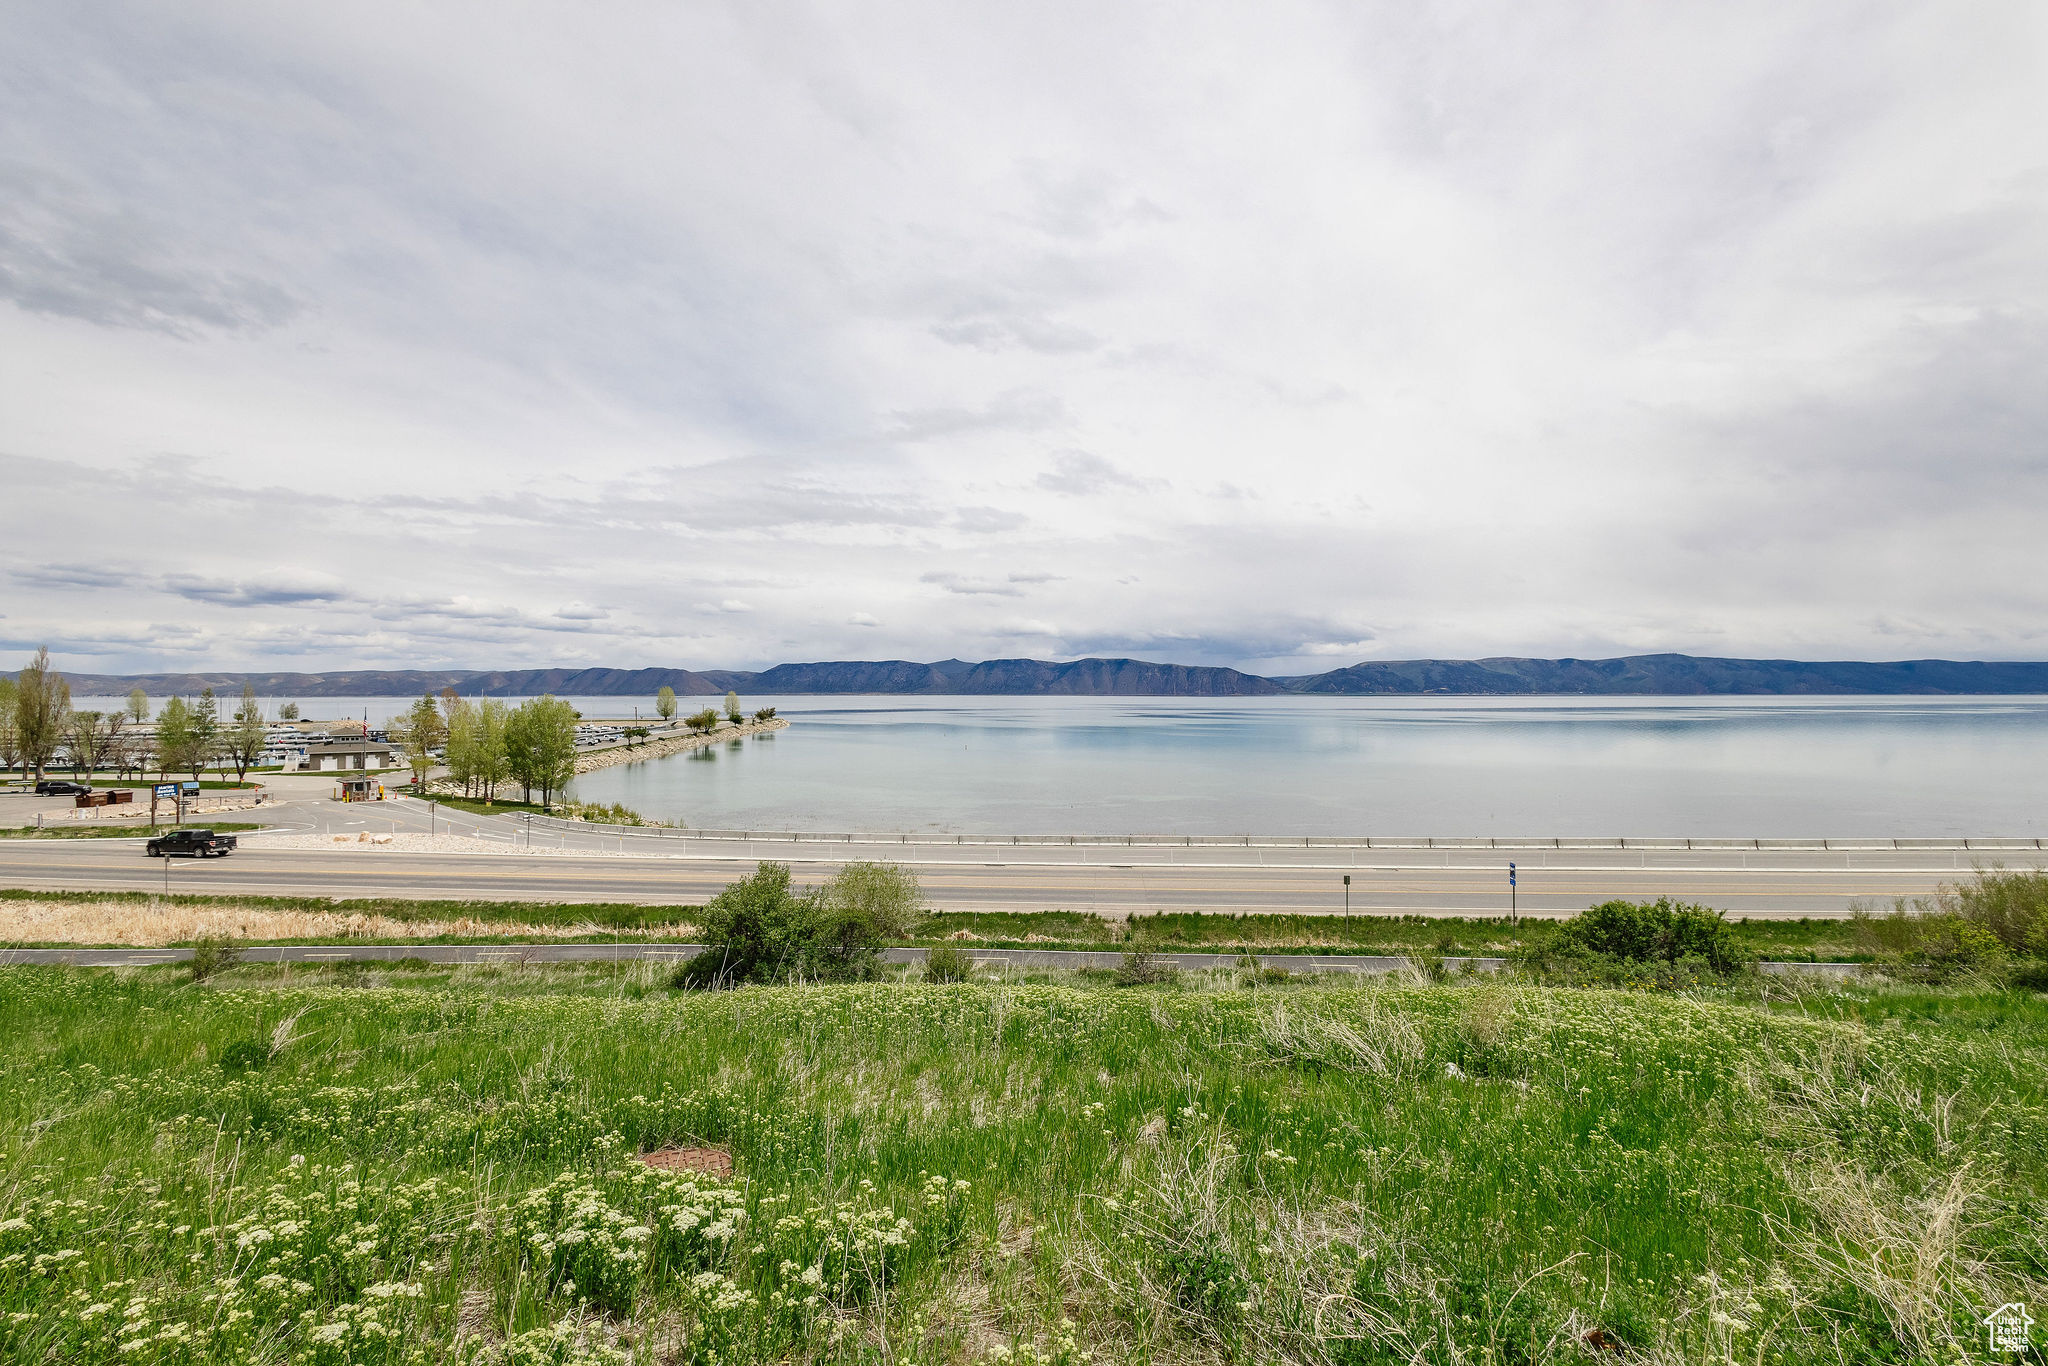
[[1511, 875], [190, 787], [166, 789]]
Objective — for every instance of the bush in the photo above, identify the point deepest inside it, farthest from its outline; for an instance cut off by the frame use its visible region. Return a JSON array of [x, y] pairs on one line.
[[948, 964], [1648, 932], [2013, 907], [761, 929], [1141, 968], [1925, 941], [705, 720], [213, 954], [765, 714]]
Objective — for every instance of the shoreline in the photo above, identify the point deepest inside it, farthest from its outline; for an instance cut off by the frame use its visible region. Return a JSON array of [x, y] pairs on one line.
[[668, 745]]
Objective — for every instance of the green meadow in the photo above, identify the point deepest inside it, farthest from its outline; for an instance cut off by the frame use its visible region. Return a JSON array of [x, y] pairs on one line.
[[434, 1166]]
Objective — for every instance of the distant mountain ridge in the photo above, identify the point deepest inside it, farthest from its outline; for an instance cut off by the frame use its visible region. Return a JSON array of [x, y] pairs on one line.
[[1665, 675]]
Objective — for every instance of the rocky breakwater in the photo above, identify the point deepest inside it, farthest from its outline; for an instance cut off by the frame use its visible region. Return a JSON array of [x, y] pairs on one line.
[[661, 746]]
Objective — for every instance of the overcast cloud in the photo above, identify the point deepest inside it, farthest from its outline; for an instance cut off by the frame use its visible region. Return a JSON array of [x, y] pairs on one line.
[[1279, 335]]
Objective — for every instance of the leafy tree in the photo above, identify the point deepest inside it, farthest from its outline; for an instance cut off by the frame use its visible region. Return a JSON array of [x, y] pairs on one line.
[[460, 720], [705, 720], [244, 739], [418, 733], [10, 737], [732, 708], [206, 732], [42, 701], [86, 735], [491, 768], [665, 703], [138, 706], [764, 714], [174, 737], [540, 746], [288, 712]]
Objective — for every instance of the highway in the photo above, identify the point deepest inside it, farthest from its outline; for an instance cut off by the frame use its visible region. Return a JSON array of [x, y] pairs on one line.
[[1109, 879], [1158, 873]]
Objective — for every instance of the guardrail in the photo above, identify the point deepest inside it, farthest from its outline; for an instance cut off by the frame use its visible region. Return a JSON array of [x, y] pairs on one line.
[[1974, 843]]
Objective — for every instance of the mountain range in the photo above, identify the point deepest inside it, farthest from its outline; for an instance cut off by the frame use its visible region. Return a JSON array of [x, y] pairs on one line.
[[1665, 675]]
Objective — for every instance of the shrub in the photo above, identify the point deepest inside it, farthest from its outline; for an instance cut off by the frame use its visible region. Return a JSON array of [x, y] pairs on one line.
[[761, 929], [1925, 941], [948, 964], [2013, 907], [765, 714], [1647, 932], [705, 720], [212, 954], [1141, 968]]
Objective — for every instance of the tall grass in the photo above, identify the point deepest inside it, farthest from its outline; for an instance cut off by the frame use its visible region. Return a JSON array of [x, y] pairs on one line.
[[439, 1169]]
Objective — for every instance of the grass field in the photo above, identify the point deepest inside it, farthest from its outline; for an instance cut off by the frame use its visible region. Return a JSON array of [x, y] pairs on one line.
[[143, 918], [440, 1168]]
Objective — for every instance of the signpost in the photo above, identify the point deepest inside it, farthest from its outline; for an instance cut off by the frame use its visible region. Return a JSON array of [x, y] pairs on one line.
[[1514, 915], [162, 790], [1347, 894]]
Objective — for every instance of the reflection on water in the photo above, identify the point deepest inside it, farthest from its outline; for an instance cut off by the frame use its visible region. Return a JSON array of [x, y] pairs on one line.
[[1745, 766], [1352, 766]]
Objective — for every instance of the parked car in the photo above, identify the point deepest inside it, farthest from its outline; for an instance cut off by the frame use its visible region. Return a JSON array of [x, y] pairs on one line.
[[191, 844], [61, 787]]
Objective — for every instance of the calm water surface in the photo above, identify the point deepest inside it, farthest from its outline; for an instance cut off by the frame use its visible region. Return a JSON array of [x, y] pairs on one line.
[[1351, 766], [1347, 766]]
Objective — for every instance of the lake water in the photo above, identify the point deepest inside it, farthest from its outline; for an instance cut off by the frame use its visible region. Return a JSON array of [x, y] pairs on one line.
[[1769, 767], [1351, 766]]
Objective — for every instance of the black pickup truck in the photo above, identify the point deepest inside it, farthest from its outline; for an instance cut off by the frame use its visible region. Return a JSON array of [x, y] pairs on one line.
[[191, 844]]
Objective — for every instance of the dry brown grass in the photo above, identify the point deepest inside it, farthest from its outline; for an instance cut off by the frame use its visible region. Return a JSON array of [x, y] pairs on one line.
[[156, 923]]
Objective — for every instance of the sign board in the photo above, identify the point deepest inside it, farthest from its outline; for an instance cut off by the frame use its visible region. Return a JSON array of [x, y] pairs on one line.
[[189, 787], [1511, 875], [166, 789]]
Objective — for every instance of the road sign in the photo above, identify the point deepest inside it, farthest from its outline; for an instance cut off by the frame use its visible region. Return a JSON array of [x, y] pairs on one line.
[[189, 787], [1511, 875], [166, 789]]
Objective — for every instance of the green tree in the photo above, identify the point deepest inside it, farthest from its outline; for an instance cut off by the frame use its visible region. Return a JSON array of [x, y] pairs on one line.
[[86, 737], [540, 746], [418, 733], [206, 732], [138, 707], [732, 708], [665, 703], [288, 712], [488, 739], [42, 701], [174, 736], [245, 736], [705, 720], [459, 719], [10, 737]]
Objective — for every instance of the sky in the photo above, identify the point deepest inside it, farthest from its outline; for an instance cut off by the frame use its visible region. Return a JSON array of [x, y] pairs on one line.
[[1280, 336]]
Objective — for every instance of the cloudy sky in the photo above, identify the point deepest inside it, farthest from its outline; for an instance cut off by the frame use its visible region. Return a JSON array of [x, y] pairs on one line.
[[1278, 335]]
